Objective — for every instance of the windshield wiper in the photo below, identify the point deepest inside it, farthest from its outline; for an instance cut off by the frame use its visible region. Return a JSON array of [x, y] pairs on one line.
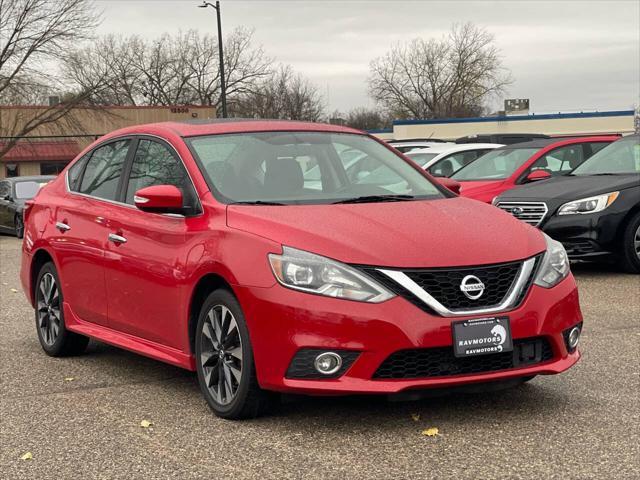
[[377, 198], [257, 202]]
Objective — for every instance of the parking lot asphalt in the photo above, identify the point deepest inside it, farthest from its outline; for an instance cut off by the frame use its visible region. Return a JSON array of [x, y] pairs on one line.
[[81, 417]]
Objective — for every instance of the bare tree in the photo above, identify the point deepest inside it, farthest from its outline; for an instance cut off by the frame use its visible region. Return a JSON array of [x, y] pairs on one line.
[[33, 35], [450, 77], [181, 69], [283, 95], [367, 118]]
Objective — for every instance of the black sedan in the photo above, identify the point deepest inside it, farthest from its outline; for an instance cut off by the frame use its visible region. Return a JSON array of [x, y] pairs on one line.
[[594, 211], [13, 193]]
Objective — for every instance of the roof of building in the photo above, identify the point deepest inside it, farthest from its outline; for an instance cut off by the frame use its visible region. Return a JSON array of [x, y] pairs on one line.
[[516, 118], [42, 151]]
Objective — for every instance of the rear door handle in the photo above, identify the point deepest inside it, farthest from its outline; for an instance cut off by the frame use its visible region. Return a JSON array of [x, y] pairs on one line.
[[117, 238], [63, 227]]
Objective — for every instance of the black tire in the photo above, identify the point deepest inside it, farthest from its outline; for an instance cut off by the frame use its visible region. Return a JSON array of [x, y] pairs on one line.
[[18, 226], [527, 379], [630, 256], [247, 399], [54, 338]]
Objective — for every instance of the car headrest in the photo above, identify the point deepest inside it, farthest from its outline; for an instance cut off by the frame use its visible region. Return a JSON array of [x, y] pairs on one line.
[[446, 168], [283, 176]]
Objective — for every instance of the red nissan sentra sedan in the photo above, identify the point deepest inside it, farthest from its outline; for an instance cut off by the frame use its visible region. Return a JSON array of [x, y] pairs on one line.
[[512, 165], [244, 251]]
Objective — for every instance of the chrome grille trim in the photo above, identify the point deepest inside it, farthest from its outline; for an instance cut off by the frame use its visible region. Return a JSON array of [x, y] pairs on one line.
[[532, 212], [508, 302]]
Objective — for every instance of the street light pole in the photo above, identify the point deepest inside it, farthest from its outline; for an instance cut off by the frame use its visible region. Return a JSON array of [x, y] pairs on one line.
[[223, 85]]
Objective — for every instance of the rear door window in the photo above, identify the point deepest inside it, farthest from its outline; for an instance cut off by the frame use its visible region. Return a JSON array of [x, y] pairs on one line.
[[104, 169]]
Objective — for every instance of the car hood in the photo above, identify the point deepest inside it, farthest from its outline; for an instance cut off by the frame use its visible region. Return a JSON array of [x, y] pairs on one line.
[[431, 233], [570, 187]]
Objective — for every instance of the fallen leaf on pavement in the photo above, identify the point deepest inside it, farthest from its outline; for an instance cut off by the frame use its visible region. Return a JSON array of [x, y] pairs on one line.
[[430, 432], [415, 417], [145, 423], [14, 290], [69, 379], [27, 456]]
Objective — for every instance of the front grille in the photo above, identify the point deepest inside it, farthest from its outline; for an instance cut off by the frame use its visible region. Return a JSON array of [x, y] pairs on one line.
[[441, 362], [443, 284], [530, 212]]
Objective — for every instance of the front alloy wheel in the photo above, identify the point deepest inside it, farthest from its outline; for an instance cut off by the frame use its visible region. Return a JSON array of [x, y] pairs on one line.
[[630, 254], [221, 354], [224, 359], [18, 226]]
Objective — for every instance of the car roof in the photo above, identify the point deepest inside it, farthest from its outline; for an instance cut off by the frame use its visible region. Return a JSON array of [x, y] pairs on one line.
[[191, 128], [449, 148], [545, 142], [32, 178]]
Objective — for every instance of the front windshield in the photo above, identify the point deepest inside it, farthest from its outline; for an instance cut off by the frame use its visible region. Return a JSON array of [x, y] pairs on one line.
[[498, 164], [306, 167], [621, 157], [26, 190], [421, 158]]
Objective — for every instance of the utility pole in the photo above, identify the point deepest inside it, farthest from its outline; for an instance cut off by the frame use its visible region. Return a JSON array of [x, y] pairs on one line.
[[223, 84]]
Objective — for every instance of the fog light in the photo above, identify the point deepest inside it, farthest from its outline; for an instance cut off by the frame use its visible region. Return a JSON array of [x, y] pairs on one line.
[[573, 338], [328, 363]]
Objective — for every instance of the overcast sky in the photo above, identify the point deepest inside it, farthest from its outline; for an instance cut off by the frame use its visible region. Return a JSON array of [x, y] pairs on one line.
[[564, 55]]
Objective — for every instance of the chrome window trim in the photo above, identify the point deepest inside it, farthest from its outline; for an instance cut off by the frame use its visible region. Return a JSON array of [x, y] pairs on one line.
[[115, 202], [515, 203], [508, 302]]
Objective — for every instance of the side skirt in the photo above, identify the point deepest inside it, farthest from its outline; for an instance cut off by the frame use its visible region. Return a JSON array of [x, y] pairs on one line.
[[128, 342]]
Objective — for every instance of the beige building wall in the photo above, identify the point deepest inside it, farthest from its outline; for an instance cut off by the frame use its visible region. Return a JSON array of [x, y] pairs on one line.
[[623, 124], [90, 123]]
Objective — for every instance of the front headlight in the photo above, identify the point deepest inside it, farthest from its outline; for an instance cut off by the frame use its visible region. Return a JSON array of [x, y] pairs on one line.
[[555, 264], [312, 273], [588, 205]]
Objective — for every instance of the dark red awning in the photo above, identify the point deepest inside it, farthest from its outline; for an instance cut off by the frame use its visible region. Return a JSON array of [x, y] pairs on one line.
[[44, 151]]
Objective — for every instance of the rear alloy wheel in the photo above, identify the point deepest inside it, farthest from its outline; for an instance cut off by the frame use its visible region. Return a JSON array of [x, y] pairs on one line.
[[54, 338], [18, 226], [630, 258], [224, 359]]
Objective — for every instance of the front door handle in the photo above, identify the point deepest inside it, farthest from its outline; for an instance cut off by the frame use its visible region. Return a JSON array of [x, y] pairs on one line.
[[63, 227], [117, 238]]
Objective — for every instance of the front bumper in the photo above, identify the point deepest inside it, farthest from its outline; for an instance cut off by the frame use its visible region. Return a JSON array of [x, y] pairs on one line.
[[283, 321], [586, 236]]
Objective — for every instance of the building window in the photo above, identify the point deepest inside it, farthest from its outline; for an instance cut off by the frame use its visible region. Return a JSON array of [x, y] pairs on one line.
[[11, 170], [51, 168]]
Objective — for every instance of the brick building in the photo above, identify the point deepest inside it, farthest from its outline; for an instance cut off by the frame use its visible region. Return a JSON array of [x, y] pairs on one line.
[[49, 148]]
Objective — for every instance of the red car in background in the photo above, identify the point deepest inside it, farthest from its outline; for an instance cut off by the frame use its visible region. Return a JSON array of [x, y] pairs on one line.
[[505, 168]]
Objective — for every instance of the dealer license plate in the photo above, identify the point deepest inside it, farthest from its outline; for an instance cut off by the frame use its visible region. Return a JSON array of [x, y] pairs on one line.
[[482, 336]]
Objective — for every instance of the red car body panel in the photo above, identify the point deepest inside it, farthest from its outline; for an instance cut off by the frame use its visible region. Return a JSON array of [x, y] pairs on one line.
[[486, 191], [138, 295]]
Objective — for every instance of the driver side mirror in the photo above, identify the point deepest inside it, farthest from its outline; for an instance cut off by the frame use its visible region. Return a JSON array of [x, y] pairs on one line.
[[159, 199], [449, 183], [537, 175]]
